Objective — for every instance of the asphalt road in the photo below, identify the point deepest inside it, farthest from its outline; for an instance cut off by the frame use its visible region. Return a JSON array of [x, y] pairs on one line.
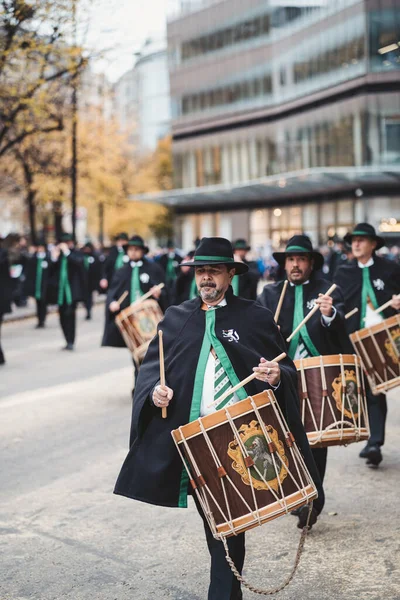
[[63, 435]]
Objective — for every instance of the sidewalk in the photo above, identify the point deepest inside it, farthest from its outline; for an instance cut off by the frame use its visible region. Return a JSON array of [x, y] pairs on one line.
[[29, 311]]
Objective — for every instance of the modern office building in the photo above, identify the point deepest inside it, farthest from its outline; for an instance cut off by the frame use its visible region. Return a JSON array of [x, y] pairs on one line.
[[286, 118]]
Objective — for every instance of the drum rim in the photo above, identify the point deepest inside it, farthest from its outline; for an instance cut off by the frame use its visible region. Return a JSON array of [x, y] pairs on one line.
[[314, 362], [378, 328]]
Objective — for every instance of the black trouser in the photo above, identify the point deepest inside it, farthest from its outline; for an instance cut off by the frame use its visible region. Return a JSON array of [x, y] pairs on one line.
[[41, 311], [2, 359], [67, 314], [223, 583], [377, 411], [320, 456], [88, 303]]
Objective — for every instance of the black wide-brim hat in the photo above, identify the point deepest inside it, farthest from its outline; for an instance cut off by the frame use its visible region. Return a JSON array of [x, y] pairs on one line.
[[241, 244], [138, 241], [299, 244], [365, 230], [215, 251], [66, 237]]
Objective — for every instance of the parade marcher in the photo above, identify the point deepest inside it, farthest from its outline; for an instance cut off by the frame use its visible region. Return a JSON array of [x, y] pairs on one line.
[[92, 267], [368, 282], [138, 276], [114, 261], [37, 280], [170, 261], [5, 292], [246, 285], [215, 331], [325, 331], [69, 277], [185, 287]]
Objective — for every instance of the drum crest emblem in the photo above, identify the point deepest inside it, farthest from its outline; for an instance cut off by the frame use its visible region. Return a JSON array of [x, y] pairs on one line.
[[346, 399], [271, 468], [392, 346], [146, 325]]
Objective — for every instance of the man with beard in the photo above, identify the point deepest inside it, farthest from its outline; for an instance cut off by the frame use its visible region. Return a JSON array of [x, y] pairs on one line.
[[37, 280], [368, 282], [325, 331], [5, 291], [200, 363], [69, 278], [114, 261]]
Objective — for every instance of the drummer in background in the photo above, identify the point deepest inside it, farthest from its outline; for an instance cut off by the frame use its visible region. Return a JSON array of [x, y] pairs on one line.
[[185, 287], [37, 280], [245, 286], [114, 261], [169, 262], [325, 331], [200, 335], [368, 282], [92, 266]]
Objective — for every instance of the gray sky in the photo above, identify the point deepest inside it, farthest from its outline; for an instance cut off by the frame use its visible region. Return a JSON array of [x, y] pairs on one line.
[[123, 26]]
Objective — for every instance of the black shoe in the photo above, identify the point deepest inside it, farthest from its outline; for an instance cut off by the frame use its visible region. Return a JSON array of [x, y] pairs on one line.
[[296, 511], [374, 456], [68, 347], [88, 318], [40, 326], [303, 515], [364, 452]]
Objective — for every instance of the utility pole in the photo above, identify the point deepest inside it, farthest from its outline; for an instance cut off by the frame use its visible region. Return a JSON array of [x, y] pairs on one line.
[[74, 134]]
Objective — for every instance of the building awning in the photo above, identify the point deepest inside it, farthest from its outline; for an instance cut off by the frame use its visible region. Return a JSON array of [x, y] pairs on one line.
[[286, 188]]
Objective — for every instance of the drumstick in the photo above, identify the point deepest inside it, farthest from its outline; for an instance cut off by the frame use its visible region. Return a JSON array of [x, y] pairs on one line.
[[122, 298], [351, 313], [310, 314], [162, 369], [242, 383], [281, 298], [386, 305], [148, 294]]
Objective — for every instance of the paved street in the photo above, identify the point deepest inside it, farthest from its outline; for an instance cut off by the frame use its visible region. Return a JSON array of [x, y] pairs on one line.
[[63, 435]]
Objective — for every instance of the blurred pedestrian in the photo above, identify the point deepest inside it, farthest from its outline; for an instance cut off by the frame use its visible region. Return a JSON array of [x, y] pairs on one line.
[[185, 287], [169, 262], [245, 286], [37, 280], [114, 261], [92, 266], [5, 291]]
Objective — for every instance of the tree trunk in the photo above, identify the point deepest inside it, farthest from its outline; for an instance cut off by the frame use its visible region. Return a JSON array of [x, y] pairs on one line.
[[101, 223], [30, 201]]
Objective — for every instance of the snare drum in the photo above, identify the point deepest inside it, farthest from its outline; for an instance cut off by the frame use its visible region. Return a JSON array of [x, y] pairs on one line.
[[379, 349], [332, 399], [138, 325], [244, 465]]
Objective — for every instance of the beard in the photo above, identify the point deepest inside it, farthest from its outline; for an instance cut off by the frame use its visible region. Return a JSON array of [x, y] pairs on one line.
[[210, 295]]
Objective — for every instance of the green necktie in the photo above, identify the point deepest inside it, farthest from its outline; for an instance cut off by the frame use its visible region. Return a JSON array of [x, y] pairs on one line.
[[302, 335], [193, 289], [170, 273], [366, 292], [86, 262], [136, 290], [221, 382], [64, 286], [120, 260], [235, 285], [39, 274]]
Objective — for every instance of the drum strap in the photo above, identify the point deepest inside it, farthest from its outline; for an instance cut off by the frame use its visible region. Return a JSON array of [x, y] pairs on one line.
[[303, 334], [366, 292], [235, 285], [64, 286], [39, 274]]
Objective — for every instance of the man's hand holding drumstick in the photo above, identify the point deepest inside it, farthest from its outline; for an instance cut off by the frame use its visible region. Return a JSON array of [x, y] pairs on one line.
[[162, 396], [268, 371]]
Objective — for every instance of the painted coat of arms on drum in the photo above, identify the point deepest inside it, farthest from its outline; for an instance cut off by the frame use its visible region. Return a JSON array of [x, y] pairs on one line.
[[145, 324], [350, 394], [393, 346], [264, 468]]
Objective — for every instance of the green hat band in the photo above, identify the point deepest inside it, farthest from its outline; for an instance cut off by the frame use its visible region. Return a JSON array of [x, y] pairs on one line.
[[239, 246], [217, 259], [138, 244], [297, 249], [363, 233]]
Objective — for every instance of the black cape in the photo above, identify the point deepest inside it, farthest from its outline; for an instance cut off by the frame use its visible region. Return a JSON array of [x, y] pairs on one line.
[[30, 281], [76, 277], [182, 287], [121, 282], [327, 340], [93, 271], [152, 470], [248, 282], [6, 284], [385, 279], [108, 266]]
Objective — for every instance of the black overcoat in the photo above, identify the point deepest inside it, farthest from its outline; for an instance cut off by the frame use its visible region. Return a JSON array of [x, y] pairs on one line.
[[6, 284], [327, 340], [93, 272], [108, 266], [385, 279], [76, 276], [31, 269], [248, 282], [152, 470], [182, 287], [150, 274]]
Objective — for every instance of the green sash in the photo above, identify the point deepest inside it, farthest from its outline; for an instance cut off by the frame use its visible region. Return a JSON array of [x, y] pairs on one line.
[[39, 275], [170, 273], [235, 285], [366, 292], [210, 340], [136, 290], [86, 262], [193, 289], [303, 333], [120, 260], [64, 290]]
